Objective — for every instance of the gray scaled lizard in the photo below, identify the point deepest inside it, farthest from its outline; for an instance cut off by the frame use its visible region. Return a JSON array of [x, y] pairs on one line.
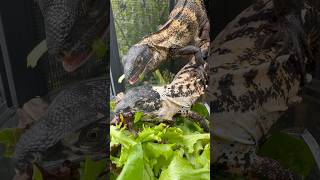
[[72, 26], [72, 109]]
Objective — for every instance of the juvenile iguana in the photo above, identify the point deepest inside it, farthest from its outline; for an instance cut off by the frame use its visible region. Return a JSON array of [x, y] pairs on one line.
[[256, 68], [185, 33], [72, 109], [164, 102], [72, 26]]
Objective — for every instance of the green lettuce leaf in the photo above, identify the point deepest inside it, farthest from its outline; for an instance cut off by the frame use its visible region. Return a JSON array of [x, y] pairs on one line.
[[181, 168], [134, 167], [161, 151]]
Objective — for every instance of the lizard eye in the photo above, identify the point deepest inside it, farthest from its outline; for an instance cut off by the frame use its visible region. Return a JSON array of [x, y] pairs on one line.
[[93, 134]]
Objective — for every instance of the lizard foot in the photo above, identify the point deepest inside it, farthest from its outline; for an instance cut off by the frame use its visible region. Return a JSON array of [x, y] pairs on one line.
[[193, 50]]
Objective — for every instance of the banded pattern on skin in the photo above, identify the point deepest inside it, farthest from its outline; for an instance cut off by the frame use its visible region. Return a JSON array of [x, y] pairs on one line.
[[183, 27], [186, 88], [250, 86], [166, 101]]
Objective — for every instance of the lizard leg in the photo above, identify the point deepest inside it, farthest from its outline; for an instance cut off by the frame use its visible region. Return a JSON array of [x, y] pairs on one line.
[[205, 38], [192, 50], [196, 118]]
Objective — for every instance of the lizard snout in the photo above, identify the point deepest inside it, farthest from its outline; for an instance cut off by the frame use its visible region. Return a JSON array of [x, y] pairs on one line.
[[136, 61]]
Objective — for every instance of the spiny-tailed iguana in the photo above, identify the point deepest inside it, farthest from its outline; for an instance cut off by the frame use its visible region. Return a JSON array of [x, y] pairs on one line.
[[72, 26], [254, 78], [185, 33]]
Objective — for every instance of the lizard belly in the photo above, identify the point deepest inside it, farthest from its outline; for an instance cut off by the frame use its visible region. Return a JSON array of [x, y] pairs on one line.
[[244, 110], [249, 86]]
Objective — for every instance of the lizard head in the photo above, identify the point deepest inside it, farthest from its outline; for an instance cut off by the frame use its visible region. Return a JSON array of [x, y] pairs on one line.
[[72, 27], [139, 98], [137, 62]]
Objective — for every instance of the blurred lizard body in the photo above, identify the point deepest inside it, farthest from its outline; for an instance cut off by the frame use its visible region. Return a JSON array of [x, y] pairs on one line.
[[254, 78], [72, 109], [71, 27]]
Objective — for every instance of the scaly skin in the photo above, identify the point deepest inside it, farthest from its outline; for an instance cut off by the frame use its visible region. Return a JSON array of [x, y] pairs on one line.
[[72, 26], [255, 74], [72, 109], [252, 83], [164, 102], [188, 25]]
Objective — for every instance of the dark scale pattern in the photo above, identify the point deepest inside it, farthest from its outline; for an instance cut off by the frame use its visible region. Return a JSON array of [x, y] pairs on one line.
[[67, 27], [252, 86], [222, 51], [140, 98], [262, 15], [72, 109], [226, 100], [246, 31], [249, 77]]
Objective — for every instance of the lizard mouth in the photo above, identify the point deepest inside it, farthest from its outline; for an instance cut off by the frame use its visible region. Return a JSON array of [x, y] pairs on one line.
[[71, 63], [136, 76], [134, 79], [73, 59]]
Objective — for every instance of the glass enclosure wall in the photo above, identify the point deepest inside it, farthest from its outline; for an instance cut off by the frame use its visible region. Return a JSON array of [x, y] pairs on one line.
[[135, 19]]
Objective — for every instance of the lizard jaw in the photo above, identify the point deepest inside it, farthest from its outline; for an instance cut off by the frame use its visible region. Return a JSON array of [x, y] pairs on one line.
[[133, 81], [70, 64], [73, 62], [136, 76]]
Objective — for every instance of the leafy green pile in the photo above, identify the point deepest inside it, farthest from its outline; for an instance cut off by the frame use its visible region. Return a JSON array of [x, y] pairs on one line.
[[88, 170], [161, 152]]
